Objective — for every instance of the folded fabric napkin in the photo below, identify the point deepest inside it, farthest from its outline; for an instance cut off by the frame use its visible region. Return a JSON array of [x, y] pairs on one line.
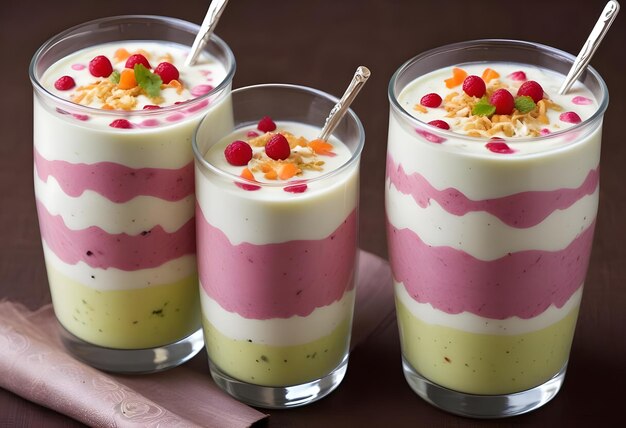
[[34, 365]]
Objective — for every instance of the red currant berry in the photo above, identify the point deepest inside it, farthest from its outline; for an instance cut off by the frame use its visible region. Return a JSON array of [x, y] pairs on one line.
[[570, 117], [278, 148], [100, 66], [474, 86], [531, 89], [137, 59], [431, 100], [503, 101], [439, 124], [64, 83], [238, 153], [266, 124], [167, 72], [121, 123]]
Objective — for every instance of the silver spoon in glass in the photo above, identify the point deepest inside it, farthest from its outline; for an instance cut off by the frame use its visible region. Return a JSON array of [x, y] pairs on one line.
[[589, 48], [206, 29], [340, 109]]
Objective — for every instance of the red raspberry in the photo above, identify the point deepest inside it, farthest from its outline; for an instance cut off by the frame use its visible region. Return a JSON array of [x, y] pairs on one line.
[[474, 86], [531, 89], [121, 123], [431, 100], [167, 72], [439, 124], [64, 83], [266, 124], [238, 153], [137, 59], [570, 117], [100, 66], [151, 107], [503, 101], [252, 134], [278, 148]]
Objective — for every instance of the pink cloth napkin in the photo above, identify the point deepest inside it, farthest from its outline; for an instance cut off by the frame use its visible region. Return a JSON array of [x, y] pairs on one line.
[[34, 365]]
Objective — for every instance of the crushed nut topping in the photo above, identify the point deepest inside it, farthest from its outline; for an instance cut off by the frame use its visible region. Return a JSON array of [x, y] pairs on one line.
[[459, 105]]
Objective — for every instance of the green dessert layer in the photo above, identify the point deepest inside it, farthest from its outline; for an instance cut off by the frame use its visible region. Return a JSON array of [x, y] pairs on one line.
[[277, 365], [126, 319], [486, 364]]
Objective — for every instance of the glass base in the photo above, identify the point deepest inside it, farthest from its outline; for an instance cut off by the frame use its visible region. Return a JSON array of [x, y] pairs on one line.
[[133, 361], [483, 406], [269, 397]]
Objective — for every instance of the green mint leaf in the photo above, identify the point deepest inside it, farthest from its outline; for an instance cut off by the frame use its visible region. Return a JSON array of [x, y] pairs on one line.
[[150, 82], [115, 77], [524, 104], [483, 108]]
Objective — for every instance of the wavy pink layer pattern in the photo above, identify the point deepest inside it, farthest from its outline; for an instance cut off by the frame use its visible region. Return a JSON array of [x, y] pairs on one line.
[[99, 249], [520, 210], [276, 280], [116, 182], [522, 284]]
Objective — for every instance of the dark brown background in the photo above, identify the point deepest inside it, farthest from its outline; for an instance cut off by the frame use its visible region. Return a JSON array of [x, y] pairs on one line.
[[319, 44]]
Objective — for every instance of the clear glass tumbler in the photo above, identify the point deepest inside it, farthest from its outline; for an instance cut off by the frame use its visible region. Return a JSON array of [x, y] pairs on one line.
[[277, 268], [116, 207], [489, 252]]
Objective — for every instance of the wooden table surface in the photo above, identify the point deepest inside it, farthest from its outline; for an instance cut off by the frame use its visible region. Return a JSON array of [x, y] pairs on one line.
[[319, 44]]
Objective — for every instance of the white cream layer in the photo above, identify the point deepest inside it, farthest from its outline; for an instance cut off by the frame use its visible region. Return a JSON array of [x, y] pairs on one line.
[[117, 279], [452, 164], [295, 330], [271, 215], [92, 209], [483, 235], [472, 323]]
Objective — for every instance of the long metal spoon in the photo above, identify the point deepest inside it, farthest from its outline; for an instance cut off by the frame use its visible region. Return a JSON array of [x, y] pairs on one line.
[[340, 109], [589, 48], [206, 29]]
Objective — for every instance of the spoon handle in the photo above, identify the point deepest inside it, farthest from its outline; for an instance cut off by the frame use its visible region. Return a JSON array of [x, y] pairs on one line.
[[340, 109], [589, 48], [206, 29]]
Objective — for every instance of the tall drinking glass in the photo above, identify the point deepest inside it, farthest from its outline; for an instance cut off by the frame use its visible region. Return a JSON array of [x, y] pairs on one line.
[[490, 223], [277, 252], [114, 184]]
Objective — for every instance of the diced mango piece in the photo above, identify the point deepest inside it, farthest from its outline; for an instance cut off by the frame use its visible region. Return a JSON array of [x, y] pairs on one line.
[[458, 76], [287, 171], [127, 79], [121, 54], [321, 147], [247, 174], [489, 74]]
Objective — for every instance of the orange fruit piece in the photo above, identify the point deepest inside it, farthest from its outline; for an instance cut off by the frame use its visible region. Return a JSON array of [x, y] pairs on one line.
[[458, 76], [121, 54], [247, 174], [489, 74], [287, 171], [271, 175], [321, 147], [127, 79]]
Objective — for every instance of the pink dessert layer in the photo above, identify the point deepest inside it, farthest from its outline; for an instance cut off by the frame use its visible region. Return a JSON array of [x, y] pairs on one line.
[[276, 280], [521, 210], [116, 182], [99, 249], [522, 284]]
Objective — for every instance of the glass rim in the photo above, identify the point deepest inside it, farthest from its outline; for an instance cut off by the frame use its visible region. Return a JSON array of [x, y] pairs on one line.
[[355, 156], [230, 72], [545, 49]]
